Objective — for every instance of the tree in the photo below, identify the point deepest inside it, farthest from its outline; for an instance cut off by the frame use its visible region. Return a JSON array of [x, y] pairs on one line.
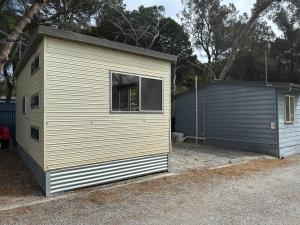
[[138, 27], [12, 38], [68, 14], [210, 25], [259, 8], [250, 61], [148, 28], [72, 15], [17, 31], [174, 40], [288, 21]]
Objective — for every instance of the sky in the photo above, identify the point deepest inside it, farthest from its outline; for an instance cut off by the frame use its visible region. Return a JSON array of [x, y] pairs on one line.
[[173, 7]]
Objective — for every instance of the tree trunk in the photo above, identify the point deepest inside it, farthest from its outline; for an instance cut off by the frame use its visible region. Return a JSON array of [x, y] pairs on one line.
[[9, 85], [15, 34], [9, 94], [261, 6]]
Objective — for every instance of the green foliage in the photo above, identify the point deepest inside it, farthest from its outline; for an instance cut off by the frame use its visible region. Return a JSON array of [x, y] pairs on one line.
[[147, 27], [208, 26]]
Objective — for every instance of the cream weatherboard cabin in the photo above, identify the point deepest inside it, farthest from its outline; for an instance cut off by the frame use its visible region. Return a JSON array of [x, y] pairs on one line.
[[91, 111]]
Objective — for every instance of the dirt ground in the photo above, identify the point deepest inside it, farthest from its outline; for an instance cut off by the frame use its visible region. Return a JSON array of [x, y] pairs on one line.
[[265, 191], [18, 186], [17, 183], [187, 156], [205, 186]]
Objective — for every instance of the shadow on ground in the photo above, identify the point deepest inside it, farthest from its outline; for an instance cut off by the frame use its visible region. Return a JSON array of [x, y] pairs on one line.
[[16, 179]]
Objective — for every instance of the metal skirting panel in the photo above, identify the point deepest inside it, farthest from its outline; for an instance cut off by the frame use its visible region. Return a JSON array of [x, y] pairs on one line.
[[78, 177]]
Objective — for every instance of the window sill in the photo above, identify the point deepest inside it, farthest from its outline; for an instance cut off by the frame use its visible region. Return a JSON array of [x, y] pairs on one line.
[[34, 107], [289, 123], [36, 140], [137, 112]]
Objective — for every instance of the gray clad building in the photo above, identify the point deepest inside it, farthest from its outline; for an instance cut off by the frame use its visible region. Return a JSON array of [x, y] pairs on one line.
[[252, 116]]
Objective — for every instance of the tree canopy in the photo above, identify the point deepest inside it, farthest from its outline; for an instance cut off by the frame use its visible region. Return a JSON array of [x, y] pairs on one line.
[[237, 45]]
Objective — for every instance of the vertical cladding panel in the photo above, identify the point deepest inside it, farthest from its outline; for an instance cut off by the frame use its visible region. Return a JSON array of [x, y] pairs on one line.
[[235, 116], [28, 85], [81, 130], [289, 134], [185, 114], [8, 116]]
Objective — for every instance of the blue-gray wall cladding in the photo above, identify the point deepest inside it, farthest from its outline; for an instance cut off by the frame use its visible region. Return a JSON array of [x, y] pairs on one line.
[[236, 116], [289, 134], [8, 116]]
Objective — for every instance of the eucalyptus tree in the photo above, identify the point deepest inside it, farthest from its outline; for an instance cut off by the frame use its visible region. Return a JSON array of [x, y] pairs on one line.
[[209, 23], [18, 17], [11, 37], [260, 7], [286, 49], [147, 27]]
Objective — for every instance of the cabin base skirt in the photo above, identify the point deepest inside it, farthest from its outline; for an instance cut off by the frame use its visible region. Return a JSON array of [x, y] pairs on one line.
[[79, 177], [67, 179]]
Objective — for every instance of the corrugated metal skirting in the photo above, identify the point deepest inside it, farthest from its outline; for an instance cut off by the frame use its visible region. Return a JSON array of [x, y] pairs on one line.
[[78, 177]]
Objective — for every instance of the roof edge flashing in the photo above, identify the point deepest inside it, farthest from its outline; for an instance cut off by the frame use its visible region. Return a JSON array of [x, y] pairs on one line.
[[45, 31], [278, 86]]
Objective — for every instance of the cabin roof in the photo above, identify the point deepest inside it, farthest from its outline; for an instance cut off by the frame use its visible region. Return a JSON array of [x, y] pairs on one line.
[[42, 31], [284, 86]]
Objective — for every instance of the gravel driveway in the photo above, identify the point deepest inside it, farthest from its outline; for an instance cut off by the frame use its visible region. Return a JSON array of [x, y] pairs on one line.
[[187, 156], [264, 191]]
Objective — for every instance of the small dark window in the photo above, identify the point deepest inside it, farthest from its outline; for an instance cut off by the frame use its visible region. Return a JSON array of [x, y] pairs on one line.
[[289, 109], [125, 92], [35, 65], [35, 133], [35, 101], [151, 95], [24, 105]]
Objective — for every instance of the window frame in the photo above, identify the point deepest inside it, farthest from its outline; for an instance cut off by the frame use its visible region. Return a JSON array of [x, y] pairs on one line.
[[140, 92], [38, 106], [33, 138], [285, 111], [33, 72]]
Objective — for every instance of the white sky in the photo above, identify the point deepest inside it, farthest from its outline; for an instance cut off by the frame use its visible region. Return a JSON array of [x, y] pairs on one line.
[[173, 7]]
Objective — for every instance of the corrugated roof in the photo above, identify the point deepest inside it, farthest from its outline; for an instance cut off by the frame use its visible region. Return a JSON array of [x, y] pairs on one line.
[[42, 31]]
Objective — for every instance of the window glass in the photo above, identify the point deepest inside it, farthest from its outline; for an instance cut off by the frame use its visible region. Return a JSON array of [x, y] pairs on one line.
[[24, 105], [35, 133], [289, 109], [35, 64], [292, 105], [35, 101], [151, 95], [125, 92]]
